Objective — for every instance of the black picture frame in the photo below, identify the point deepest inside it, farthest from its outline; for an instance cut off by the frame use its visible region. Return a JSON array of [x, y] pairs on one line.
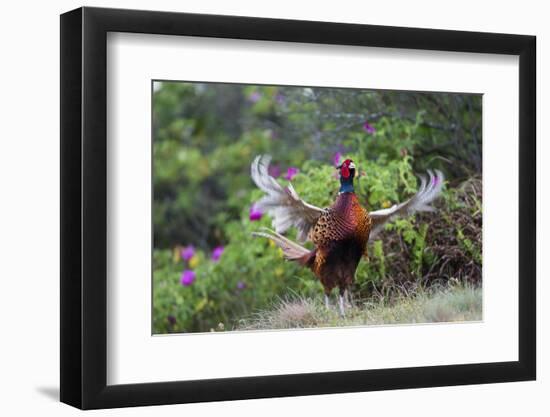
[[84, 207]]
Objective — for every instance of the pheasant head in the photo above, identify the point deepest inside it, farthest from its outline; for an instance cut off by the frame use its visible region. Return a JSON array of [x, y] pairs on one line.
[[347, 173]]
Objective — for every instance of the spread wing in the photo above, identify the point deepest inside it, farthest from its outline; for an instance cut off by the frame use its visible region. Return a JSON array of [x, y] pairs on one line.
[[429, 191], [283, 204]]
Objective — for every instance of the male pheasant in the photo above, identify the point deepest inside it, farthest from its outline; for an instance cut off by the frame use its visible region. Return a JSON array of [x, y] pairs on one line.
[[340, 233]]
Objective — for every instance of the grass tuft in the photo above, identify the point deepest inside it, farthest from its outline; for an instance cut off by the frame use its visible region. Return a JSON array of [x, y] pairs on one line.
[[458, 303]]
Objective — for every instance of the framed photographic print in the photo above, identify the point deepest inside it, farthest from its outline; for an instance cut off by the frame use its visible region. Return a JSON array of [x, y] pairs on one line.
[[257, 207]]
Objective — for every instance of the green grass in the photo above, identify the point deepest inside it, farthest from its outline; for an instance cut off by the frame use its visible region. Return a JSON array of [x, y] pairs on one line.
[[452, 304]]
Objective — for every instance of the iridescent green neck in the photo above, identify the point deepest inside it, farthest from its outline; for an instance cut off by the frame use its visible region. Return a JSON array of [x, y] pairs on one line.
[[346, 185]]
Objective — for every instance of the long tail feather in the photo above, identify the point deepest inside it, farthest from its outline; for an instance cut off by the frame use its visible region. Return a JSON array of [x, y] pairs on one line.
[[291, 250]]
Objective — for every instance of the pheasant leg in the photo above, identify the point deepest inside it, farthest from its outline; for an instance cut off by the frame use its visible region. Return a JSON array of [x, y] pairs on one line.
[[327, 301], [341, 305], [349, 298]]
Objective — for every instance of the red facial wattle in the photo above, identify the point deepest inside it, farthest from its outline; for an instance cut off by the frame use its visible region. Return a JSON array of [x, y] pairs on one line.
[[344, 171]]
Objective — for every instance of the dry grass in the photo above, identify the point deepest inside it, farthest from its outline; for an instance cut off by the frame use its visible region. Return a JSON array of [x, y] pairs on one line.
[[452, 304]]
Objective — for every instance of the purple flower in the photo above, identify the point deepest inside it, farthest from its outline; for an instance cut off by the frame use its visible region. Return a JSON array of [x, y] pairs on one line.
[[171, 320], [254, 97], [217, 253], [255, 213], [274, 171], [187, 253], [187, 277], [336, 158], [241, 285], [279, 98], [368, 128], [291, 173]]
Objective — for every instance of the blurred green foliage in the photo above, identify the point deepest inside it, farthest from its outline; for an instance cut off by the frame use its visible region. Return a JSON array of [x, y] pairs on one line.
[[205, 137]]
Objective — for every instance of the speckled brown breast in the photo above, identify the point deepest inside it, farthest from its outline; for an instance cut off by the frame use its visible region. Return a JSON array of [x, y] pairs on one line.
[[340, 235]]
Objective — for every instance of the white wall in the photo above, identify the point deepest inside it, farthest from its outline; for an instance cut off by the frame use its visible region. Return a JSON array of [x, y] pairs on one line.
[[29, 238]]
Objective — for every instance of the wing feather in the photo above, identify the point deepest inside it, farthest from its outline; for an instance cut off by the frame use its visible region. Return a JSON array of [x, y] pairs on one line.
[[283, 204], [429, 190]]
